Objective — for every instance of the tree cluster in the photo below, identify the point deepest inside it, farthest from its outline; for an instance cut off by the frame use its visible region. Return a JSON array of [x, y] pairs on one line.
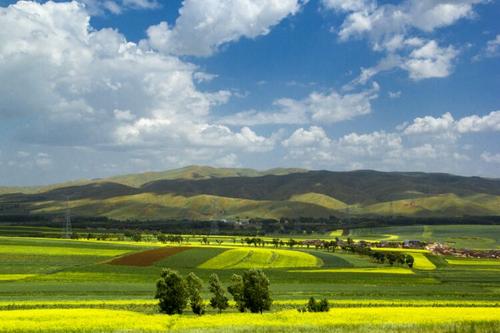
[[315, 306], [250, 291]]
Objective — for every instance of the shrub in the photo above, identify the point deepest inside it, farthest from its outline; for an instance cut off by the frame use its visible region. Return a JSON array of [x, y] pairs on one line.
[[314, 306]]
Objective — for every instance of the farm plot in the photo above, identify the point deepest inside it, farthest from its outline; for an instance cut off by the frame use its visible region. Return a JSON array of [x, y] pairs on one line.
[[148, 257], [380, 319], [261, 258], [473, 262], [368, 270]]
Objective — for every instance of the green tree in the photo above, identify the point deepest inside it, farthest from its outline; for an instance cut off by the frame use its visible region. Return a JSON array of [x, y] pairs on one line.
[[409, 260], [194, 286], [256, 294], [219, 300], [171, 291], [236, 289]]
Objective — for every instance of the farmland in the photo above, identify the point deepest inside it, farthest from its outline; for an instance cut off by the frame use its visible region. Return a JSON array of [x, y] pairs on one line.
[[108, 285]]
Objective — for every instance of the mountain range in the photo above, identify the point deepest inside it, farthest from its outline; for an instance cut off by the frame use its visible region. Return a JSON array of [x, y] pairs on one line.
[[206, 193]]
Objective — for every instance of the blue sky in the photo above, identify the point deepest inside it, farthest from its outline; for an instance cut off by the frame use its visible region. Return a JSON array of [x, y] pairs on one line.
[[98, 88]]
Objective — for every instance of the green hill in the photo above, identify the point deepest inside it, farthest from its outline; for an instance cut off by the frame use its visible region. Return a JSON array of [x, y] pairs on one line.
[[204, 193]]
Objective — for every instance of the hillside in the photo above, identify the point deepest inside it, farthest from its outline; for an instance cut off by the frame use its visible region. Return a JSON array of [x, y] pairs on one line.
[[204, 193]]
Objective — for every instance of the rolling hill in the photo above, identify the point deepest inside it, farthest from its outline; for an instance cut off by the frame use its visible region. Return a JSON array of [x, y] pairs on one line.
[[204, 193]]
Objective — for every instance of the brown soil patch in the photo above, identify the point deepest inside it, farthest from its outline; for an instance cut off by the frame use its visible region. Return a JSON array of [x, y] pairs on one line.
[[147, 258]]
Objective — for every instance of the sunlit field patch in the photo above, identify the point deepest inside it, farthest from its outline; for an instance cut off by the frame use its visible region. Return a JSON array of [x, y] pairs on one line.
[[14, 277], [59, 251], [261, 258], [369, 270], [92, 320], [474, 262]]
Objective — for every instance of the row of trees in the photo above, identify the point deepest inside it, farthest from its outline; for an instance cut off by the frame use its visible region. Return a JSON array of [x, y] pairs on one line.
[[250, 291]]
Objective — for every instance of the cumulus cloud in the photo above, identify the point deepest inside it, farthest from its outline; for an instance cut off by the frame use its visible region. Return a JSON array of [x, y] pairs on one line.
[[314, 136], [318, 107], [430, 61], [90, 87], [204, 25], [391, 28], [384, 22], [447, 125], [409, 147]]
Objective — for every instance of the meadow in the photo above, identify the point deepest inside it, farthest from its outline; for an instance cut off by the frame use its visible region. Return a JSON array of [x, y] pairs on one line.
[[56, 285]]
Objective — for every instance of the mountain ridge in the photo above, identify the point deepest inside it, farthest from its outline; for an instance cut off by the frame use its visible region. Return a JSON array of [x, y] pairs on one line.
[[201, 192]]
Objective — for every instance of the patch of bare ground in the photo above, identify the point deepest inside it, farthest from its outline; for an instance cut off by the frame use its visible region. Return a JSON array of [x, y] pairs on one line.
[[147, 258]]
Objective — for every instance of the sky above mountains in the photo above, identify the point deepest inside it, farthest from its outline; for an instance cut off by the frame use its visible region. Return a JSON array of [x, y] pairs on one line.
[[96, 88]]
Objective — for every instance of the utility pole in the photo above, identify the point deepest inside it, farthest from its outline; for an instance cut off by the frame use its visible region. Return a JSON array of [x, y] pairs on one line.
[[67, 222]]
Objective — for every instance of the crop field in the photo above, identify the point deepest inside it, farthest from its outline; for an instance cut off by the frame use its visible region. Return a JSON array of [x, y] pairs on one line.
[[56, 285], [460, 236], [261, 258]]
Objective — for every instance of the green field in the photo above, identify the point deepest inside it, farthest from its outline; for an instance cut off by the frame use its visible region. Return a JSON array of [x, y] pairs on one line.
[[460, 236], [50, 285]]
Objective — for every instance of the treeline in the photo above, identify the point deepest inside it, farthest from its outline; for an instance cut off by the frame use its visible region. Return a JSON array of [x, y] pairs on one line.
[[249, 227]]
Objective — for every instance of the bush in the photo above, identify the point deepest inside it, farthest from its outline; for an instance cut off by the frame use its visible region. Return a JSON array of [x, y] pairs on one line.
[[314, 306]]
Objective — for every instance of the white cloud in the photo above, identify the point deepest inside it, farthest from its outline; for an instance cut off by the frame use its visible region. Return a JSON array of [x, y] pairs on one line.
[[446, 125], [314, 136], [391, 28], [475, 123], [430, 61], [490, 158], [493, 47], [204, 25], [430, 124], [319, 107], [349, 5], [91, 87], [385, 21], [394, 94], [376, 150], [491, 50]]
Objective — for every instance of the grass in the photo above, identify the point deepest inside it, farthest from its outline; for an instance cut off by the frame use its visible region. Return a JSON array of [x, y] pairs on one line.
[[473, 262], [320, 200], [382, 270], [261, 258], [100, 320]]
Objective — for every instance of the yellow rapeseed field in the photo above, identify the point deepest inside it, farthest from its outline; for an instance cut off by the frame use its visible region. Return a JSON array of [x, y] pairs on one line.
[[261, 258], [92, 320]]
